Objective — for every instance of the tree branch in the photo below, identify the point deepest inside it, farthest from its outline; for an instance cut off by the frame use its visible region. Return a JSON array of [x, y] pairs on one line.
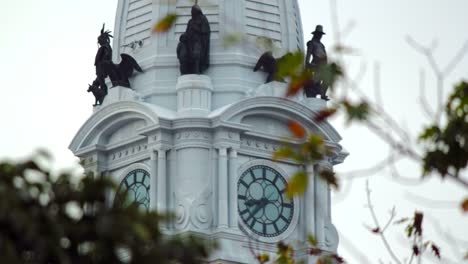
[[376, 222]]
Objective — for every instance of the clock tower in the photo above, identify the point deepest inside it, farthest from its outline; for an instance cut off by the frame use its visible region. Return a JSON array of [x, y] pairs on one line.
[[201, 145]]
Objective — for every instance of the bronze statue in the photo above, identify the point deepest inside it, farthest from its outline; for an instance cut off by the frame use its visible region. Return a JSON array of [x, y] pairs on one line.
[[99, 94], [184, 54], [117, 73], [316, 50], [268, 64], [103, 57], [194, 48]]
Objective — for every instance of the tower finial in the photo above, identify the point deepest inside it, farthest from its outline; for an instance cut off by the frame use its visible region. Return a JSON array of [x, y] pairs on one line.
[[196, 2]]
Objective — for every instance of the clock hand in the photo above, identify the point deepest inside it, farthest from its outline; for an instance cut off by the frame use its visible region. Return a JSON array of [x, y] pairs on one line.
[[252, 202], [262, 204]]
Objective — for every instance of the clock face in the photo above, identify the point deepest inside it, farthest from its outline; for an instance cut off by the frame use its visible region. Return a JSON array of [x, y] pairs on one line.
[[136, 187], [262, 204]]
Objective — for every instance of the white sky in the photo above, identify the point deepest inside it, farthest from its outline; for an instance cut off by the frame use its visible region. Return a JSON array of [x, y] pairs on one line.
[[47, 53]]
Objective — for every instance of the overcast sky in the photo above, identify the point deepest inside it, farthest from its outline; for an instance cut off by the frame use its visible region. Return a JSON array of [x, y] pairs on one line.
[[47, 51]]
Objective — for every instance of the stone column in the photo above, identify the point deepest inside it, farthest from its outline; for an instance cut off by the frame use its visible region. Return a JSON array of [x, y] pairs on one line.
[[162, 181], [233, 188], [309, 205], [321, 202], [153, 180], [222, 188]]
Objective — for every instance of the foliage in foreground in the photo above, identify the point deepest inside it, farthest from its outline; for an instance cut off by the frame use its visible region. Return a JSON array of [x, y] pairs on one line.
[[65, 220]]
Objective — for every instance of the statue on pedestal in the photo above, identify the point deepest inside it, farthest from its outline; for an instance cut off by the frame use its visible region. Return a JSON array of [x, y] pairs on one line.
[[117, 73], [316, 50], [193, 50]]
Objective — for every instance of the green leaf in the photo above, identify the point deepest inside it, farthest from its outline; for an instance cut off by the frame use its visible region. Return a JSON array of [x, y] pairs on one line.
[[297, 185], [356, 112], [312, 240]]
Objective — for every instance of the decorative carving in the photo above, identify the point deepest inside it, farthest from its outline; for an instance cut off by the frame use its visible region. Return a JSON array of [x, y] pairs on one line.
[[195, 134], [128, 150], [196, 211], [259, 144], [181, 216], [201, 214]]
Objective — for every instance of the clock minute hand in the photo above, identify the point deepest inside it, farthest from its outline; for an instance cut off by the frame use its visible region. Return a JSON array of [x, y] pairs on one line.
[[262, 204]]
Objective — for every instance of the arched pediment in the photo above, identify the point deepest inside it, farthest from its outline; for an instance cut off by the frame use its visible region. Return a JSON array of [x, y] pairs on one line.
[[113, 122], [272, 113]]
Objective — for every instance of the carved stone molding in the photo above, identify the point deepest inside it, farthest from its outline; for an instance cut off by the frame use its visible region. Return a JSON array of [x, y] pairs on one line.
[[127, 151], [197, 211]]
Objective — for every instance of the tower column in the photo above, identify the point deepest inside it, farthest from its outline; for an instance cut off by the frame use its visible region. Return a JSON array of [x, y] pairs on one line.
[[309, 205], [233, 188], [222, 188], [321, 202], [153, 180], [162, 181]]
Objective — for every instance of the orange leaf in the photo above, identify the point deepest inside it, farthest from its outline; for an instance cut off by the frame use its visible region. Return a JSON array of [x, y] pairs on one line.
[[464, 206], [295, 85], [324, 114], [296, 129], [165, 24]]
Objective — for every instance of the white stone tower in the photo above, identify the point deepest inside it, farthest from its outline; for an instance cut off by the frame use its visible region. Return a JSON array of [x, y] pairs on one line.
[[201, 145]]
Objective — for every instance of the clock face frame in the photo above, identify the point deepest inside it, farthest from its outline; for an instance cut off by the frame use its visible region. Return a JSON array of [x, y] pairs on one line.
[[135, 188], [263, 208]]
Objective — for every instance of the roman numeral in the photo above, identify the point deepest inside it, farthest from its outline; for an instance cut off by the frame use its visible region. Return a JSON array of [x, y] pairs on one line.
[[242, 197], [253, 175], [252, 223], [284, 218], [264, 228], [264, 173], [244, 212], [276, 178], [288, 205], [276, 227]]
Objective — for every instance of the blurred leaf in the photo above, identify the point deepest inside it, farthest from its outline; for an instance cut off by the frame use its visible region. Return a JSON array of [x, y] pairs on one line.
[[165, 23], [265, 43], [436, 250], [296, 84], [312, 240], [446, 147], [290, 65], [324, 114], [315, 251], [283, 153], [401, 221], [417, 224], [416, 250], [296, 129], [297, 185], [356, 112], [330, 177], [232, 39], [329, 74], [263, 258], [464, 206]]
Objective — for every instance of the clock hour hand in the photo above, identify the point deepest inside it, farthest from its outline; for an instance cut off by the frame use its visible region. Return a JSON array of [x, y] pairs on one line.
[[252, 202], [261, 203]]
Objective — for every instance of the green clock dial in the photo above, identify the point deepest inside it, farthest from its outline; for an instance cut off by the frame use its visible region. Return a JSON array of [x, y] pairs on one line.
[[135, 188], [262, 204]]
